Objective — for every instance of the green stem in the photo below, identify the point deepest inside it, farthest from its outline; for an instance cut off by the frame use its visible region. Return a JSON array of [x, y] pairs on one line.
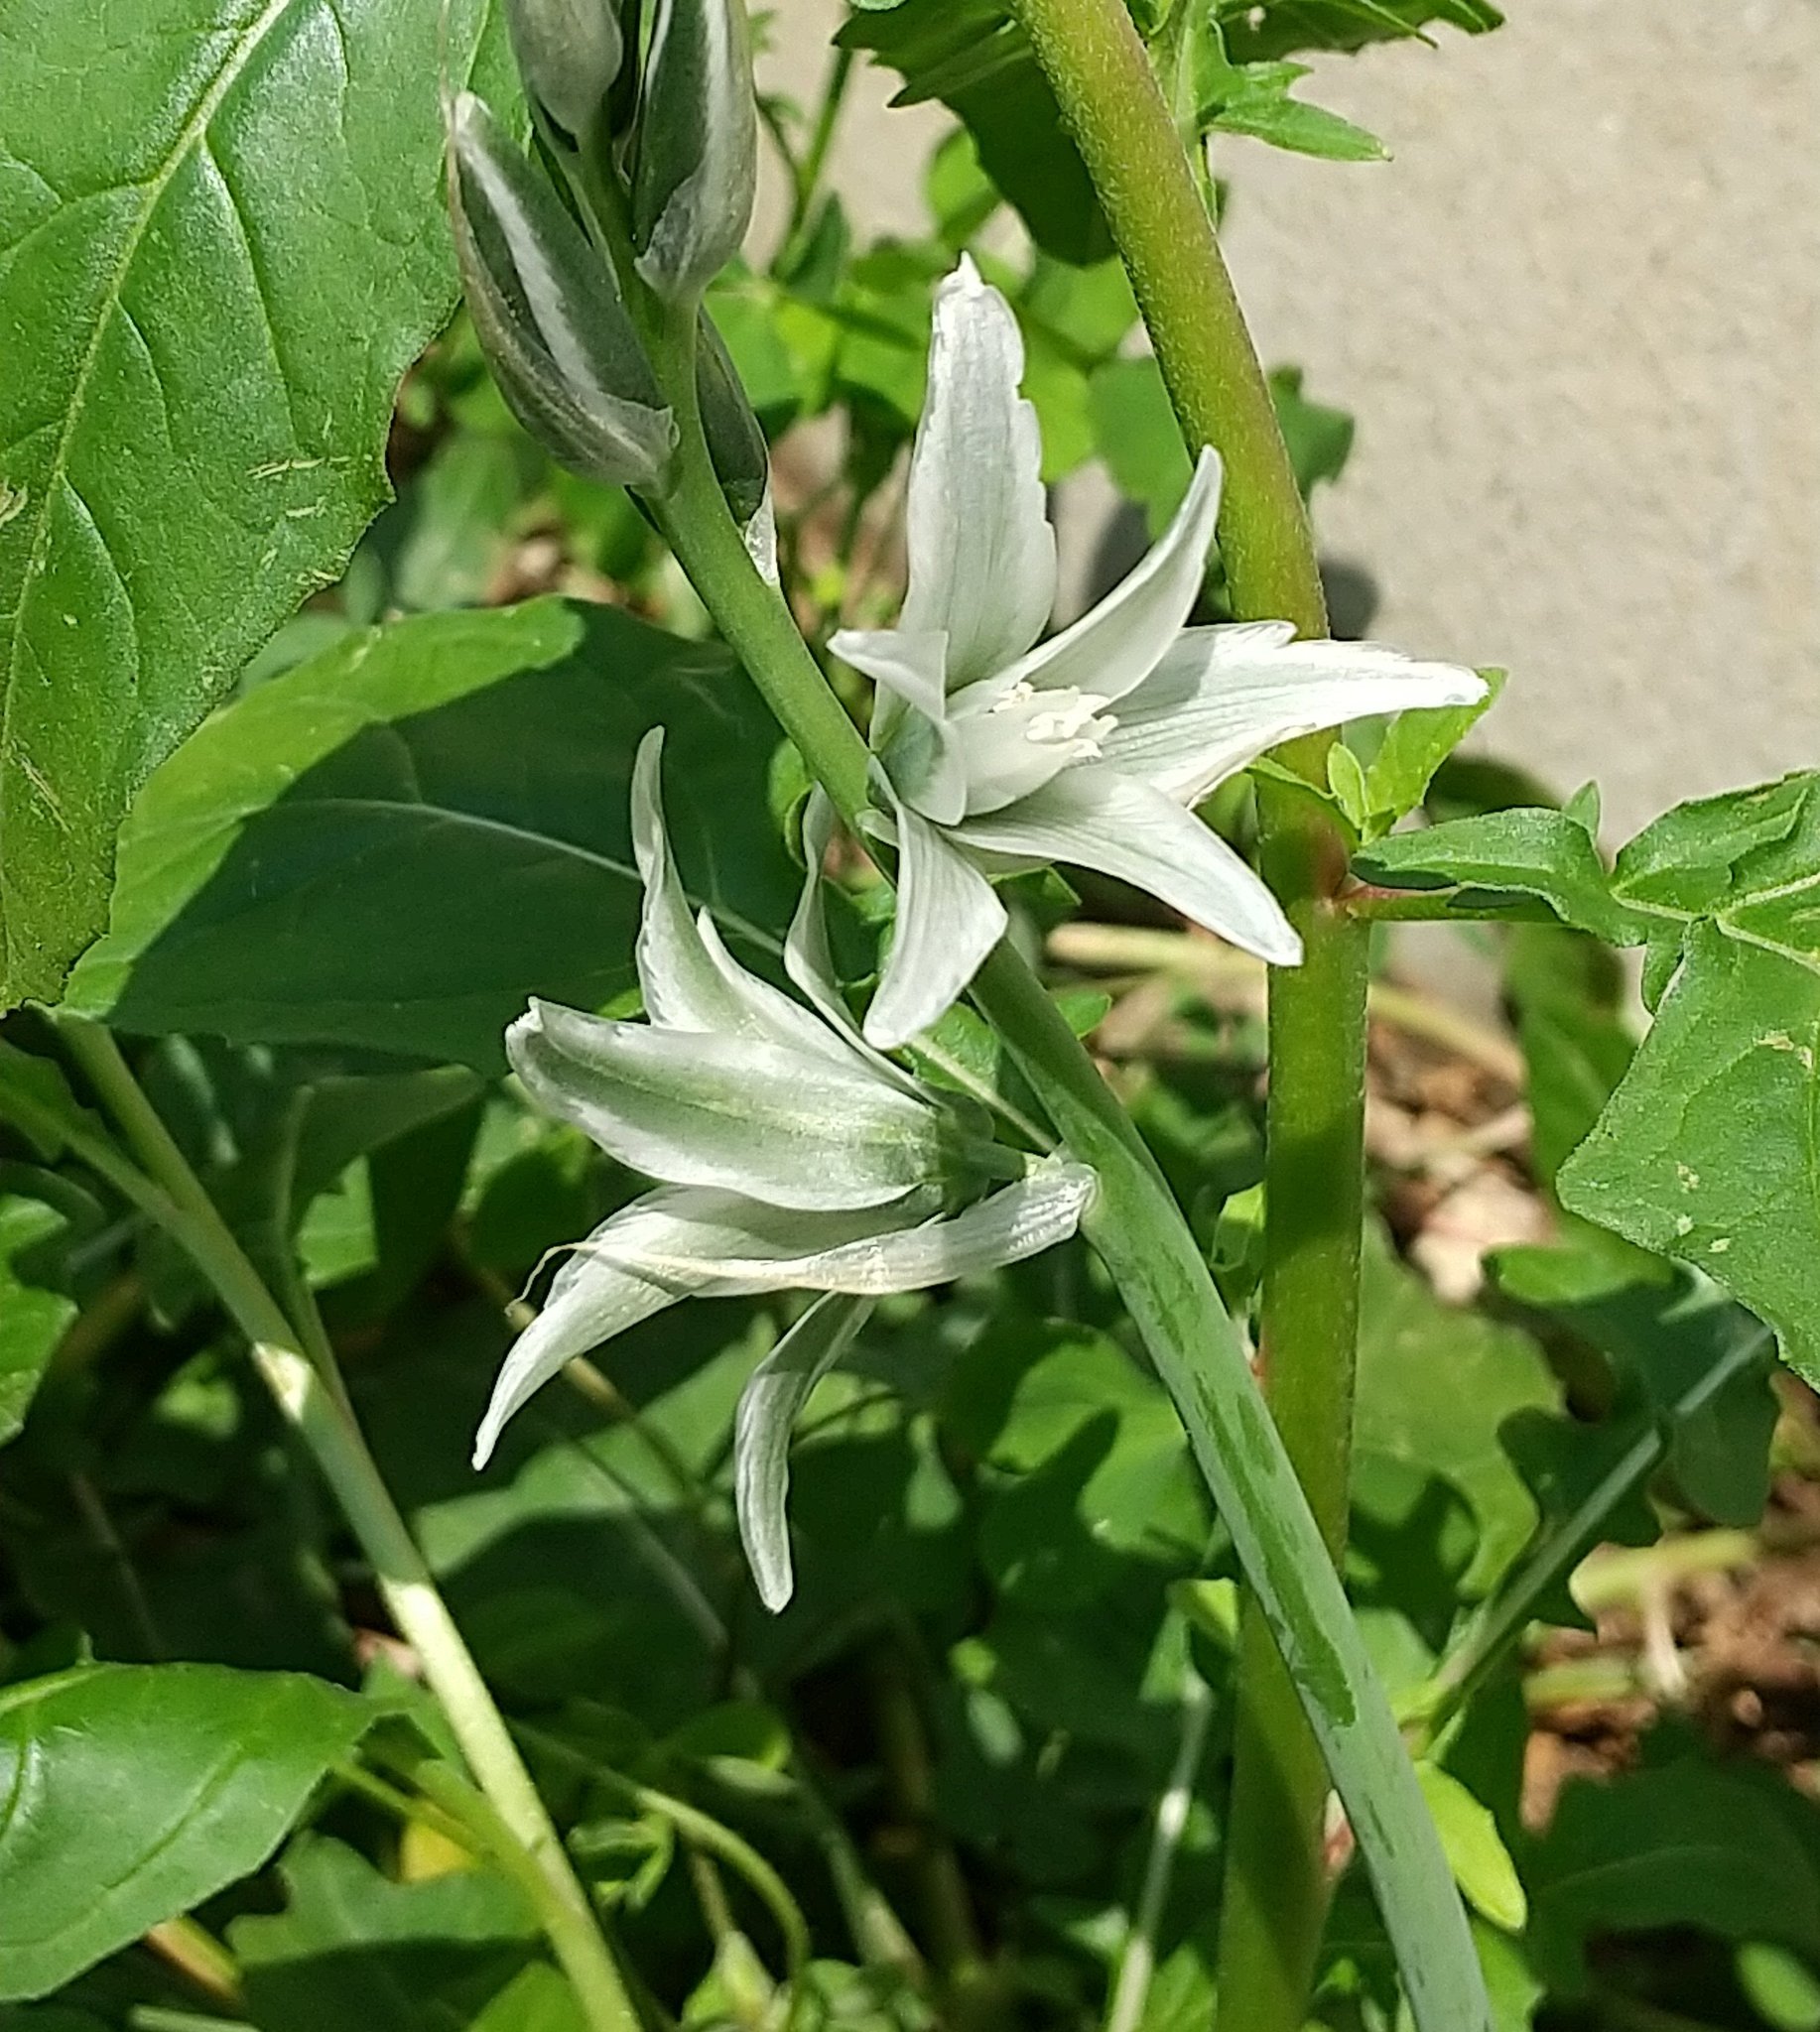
[[1276, 1876], [1096, 65], [315, 1407], [1199, 1355]]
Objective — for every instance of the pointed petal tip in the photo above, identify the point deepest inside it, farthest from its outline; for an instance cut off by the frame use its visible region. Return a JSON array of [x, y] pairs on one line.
[[775, 1589]]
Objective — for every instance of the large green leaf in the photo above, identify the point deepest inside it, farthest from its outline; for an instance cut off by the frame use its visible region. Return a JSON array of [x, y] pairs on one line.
[[133, 1792], [1710, 1147], [394, 845], [221, 245], [32, 1317]]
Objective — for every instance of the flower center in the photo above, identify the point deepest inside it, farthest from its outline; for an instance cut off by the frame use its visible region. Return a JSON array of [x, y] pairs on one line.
[[1069, 718]]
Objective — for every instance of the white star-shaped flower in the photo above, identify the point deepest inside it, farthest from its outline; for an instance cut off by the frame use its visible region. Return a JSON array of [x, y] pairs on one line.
[[793, 1156], [996, 752]]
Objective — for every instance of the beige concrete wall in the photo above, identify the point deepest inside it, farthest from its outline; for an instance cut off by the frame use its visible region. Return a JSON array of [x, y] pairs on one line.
[[1578, 317]]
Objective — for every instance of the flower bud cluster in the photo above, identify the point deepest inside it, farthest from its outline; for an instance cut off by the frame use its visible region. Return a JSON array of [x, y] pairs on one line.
[[638, 192]]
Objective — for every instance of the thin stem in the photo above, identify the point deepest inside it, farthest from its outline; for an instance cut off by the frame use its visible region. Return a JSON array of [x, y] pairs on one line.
[[713, 1836], [1276, 1875], [1137, 1963], [316, 1409], [195, 1952]]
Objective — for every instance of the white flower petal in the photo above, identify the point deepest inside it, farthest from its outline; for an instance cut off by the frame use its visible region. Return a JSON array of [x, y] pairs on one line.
[[721, 1246], [690, 981], [695, 1109], [769, 1407], [910, 665], [594, 1296], [949, 918], [806, 957], [981, 551], [1111, 649], [682, 986], [1221, 696], [1011, 749], [1095, 818]]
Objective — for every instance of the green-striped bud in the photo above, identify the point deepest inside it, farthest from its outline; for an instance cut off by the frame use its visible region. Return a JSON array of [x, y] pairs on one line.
[[548, 313], [569, 53], [697, 167], [735, 444]]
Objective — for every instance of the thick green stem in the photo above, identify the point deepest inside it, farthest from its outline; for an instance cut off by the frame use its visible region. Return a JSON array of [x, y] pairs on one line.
[[1277, 1879], [316, 1407], [1114, 109]]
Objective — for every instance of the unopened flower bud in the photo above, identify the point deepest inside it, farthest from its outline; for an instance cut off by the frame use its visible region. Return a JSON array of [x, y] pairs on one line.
[[569, 53], [548, 313], [697, 166], [736, 443]]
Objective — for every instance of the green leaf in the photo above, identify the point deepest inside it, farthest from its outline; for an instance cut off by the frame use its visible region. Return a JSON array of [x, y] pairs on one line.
[[1476, 1851], [1710, 1147], [1502, 859], [223, 246], [135, 1792], [1691, 1396], [1319, 437], [1137, 436], [1435, 1386], [1253, 99], [1281, 27], [397, 843], [352, 1947], [1732, 1851], [32, 1319], [969, 55], [1412, 750]]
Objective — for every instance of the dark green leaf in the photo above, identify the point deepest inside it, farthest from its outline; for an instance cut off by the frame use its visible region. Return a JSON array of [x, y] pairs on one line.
[[394, 846], [33, 1317], [1733, 1851], [225, 244], [1318, 438], [972, 56], [1435, 1386], [135, 1792], [352, 1947]]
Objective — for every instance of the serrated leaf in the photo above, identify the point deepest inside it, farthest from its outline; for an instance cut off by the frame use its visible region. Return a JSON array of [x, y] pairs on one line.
[[397, 843], [134, 1791], [1710, 1147], [223, 246]]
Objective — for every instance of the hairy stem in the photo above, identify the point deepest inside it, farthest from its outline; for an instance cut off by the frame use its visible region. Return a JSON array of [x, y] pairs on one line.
[[1276, 1876], [315, 1405]]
